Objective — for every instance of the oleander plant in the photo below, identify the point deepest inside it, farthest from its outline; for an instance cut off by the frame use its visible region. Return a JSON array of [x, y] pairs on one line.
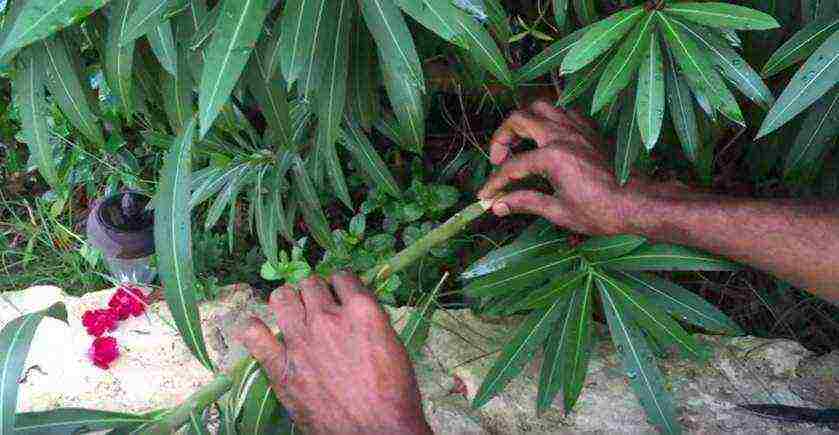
[[285, 114]]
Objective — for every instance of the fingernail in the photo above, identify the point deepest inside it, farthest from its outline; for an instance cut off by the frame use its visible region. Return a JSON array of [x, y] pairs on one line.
[[501, 209]]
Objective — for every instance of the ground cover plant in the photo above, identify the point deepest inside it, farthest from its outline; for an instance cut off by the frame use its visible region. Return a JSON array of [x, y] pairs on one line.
[[312, 135]]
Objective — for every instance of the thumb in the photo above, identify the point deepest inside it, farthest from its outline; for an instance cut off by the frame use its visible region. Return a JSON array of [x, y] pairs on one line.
[[531, 202], [268, 350]]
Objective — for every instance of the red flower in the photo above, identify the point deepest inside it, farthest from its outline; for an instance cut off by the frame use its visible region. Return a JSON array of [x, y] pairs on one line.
[[128, 301], [99, 321], [103, 352]]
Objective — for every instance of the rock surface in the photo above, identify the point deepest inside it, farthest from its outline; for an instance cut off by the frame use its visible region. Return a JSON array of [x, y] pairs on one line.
[[156, 371]]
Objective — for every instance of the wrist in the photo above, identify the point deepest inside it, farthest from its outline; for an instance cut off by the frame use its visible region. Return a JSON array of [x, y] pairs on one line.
[[642, 209]]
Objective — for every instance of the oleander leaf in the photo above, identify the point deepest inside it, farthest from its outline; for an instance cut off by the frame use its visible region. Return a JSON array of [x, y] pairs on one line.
[[723, 15], [260, 413], [649, 97], [536, 240], [698, 69], [801, 45], [628, 145], [15, 340], [528, 337], [215, 180], [437, 16], [162, 43], [638, 361], [548, 59], [265, 213], [173, 243], [362, 151], [177, 92], [586, 12], [555, 350], [333, 94], [682, 112], [578, 84], [269, 89], [228, 195], [654, 321], [401, 67], [521, 275], [578, 344], [483, 48], [560, 9], [681, 303], [148, 15], [301, 28], [599, 38], [74, 420], [39, 19], [362, 89], [236, 32], [607, 247], [119, 58], [624, 64], [66, 86], [819, 129], [560, 286], [818, 75], [666, 257], [310, 205], [197, 425], [733, 67], [31, 102]]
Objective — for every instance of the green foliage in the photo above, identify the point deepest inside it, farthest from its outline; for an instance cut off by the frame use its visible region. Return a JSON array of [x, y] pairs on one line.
[[261, 114], [559, 291]]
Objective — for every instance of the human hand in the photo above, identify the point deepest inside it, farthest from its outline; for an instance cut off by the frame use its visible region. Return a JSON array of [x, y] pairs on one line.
[[340, 367], [587, 198]]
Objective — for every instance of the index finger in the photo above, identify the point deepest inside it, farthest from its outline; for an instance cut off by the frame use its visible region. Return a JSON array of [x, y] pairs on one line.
[[537, 161], [519, 125]]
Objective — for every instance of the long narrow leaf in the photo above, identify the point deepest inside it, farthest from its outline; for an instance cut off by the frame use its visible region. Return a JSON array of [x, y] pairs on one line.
[[528, 337], [15, 340], [644, 376], [177, 91], [310, 205], [401, 67], [649, 98], [680, 302], [699, 70], [333, 94], [41, 18], [819, 129], [74, 420], [362, 88], [148, 15], [681, 110], [577, 347], [733, 67], [669, 257], [548, 59], [723, 15], [66, 86], [162, 43], [32, 105], [369, 160], [437, 16], [119, 57], [521, 275], [815, 78], [599, 37], [173, 243], [654, 321], [536, 240], [628, 146], [606, 247], [624, 64], [801, 45], [237, 30]]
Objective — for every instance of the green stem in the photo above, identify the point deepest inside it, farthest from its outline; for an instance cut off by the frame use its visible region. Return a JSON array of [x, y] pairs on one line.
[[223, 382]]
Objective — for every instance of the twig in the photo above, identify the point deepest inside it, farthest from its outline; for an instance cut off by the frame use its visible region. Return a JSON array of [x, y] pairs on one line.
[[211, 392]]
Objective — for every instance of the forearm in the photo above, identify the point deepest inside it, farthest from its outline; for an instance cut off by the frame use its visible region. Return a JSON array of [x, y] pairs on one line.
[[794, 240]]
